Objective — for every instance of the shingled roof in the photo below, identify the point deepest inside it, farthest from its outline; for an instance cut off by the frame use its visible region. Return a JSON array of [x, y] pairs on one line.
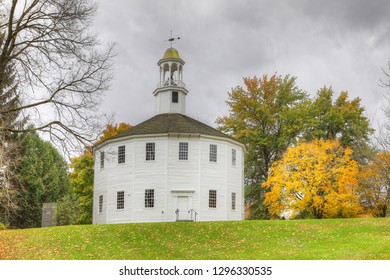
[[171, 123]]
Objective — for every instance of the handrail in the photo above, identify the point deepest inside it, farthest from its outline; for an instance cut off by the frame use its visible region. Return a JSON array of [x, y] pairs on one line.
[[177, 214], [192, 211]]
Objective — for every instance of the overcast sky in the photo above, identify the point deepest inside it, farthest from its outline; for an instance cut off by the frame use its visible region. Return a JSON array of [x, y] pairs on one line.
[[343, 44]]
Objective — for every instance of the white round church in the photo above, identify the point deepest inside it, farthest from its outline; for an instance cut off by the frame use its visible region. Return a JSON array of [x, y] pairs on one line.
[[170, 167]]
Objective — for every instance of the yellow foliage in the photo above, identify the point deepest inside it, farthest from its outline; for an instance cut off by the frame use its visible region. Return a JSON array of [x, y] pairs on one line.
[[318, 178], [112, 130]]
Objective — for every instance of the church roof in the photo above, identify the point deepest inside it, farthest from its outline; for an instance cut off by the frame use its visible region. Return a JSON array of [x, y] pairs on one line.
[[171, 123], [171, 53]]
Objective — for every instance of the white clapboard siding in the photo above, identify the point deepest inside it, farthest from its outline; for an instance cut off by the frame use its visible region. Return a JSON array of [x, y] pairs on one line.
[[172, 179]]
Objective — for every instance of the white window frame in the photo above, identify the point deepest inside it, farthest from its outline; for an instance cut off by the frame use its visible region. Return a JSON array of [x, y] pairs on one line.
[[174, 100], [121, 154], [212, 199], [234, 157], [183, 151], [102, 160], [120, 200], [234, 201], [213, 153], [149, 198], [101, 203], [150, 149]]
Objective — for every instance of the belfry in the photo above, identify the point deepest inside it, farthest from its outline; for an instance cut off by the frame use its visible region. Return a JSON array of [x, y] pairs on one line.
[[171, 92]]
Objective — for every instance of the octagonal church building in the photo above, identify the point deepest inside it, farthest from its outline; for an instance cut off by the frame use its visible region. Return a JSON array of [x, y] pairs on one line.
[[169, 167]]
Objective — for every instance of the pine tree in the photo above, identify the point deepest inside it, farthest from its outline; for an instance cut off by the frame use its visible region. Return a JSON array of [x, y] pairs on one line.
[[9, 146], [42, 178]]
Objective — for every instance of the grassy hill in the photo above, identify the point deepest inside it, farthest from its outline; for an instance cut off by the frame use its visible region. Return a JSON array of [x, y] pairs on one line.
[[300, 239]]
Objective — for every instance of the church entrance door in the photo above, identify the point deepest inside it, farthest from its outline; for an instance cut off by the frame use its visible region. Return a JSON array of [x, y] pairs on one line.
[[182, 208]]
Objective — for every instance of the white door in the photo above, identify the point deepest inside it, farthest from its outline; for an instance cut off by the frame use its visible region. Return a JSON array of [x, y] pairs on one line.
[[182, 205]]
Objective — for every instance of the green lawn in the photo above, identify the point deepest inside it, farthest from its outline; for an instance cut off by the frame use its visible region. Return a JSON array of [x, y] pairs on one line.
[[300, 239]]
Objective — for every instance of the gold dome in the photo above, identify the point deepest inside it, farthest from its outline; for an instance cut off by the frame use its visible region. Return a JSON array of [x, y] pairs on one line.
[[171, 53]]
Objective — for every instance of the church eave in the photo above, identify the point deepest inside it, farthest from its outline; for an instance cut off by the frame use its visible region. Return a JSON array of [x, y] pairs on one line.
[[169, 135], [161, 61], [170, 88]]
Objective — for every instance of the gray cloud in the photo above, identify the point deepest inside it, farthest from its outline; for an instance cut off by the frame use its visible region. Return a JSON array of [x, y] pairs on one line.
[[339, 43], [349, 15]]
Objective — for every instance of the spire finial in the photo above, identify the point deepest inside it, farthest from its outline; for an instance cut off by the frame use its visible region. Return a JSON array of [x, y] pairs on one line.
[[171, 39]]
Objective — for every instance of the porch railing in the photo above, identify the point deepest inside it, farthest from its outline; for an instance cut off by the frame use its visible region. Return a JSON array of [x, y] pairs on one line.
[[192, 218], [169, 82]]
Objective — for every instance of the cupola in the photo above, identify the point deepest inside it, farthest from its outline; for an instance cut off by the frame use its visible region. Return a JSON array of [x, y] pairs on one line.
[[170, 92]]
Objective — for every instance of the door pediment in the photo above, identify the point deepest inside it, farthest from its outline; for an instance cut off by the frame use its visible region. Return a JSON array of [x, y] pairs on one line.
[[188, 193]]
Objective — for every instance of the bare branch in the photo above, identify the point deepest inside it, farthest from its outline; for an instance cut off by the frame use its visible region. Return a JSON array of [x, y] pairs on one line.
[[57, 65]]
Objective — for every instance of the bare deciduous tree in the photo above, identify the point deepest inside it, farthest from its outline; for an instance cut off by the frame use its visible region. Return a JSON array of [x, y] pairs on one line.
[[9, 157], [9, 146], [376, 182], [61, 71], [385, 83]]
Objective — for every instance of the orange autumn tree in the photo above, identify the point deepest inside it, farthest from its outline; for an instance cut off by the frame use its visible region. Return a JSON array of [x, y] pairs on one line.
[[112, 130], [317, 179]]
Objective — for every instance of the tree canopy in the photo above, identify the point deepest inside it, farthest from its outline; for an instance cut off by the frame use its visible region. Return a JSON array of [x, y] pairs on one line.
[[316, 179], [81, 186], [342, 119], [267, 116], [42, 176], [50, 61], [271, 114]]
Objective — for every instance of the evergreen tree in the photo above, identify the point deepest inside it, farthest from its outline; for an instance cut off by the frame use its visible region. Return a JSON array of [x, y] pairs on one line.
[[68, 211], [9, 146], [42, 178]]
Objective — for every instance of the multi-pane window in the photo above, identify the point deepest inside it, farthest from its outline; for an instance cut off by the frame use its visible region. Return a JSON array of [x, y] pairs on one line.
[[149, 198], [175, 97], [101, 160], [212, 198], [121, 154], [120, 200], [100, 204], [233, 201], [150, 151], [234, 157], [213, 153], [183, 151]]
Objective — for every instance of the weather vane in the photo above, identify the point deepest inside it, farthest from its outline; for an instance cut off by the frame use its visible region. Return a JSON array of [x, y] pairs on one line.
[[172, 39]]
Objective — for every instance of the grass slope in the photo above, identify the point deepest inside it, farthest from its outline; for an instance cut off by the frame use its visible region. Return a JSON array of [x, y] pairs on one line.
[[299, 239]]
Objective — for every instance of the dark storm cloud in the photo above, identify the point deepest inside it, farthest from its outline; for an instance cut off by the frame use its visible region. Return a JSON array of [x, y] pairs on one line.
[[350, 15]]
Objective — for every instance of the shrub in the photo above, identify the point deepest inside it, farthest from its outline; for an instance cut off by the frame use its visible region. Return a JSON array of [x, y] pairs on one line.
[[67, 212]]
